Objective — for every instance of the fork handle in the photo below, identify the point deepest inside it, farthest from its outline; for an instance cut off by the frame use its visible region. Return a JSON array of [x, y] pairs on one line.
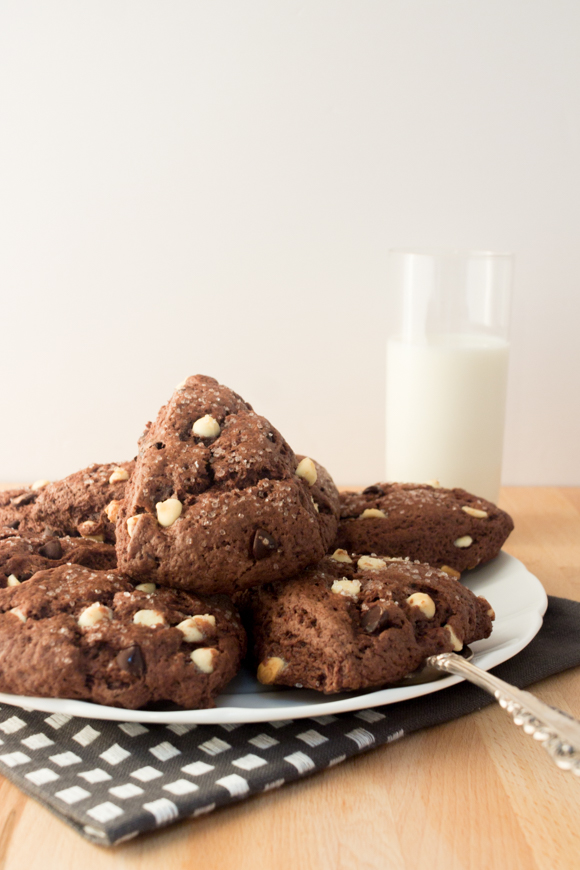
[[558, 733]]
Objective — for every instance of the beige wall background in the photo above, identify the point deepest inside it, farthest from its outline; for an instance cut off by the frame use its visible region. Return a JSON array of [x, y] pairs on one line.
[[212, 187]]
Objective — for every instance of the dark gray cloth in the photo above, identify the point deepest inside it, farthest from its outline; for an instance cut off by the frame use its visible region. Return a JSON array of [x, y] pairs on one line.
[[112, 781]]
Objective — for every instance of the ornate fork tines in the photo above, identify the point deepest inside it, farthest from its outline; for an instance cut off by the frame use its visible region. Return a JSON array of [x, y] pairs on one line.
[[558, 732]]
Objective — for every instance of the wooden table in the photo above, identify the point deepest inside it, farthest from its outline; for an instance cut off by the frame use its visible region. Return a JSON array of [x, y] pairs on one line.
[[474, 793]]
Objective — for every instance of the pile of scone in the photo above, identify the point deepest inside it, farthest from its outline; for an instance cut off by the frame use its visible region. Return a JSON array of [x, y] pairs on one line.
[[124, 584]]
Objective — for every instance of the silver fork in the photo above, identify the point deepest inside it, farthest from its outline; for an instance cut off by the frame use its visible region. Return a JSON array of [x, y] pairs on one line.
[[558, 733]]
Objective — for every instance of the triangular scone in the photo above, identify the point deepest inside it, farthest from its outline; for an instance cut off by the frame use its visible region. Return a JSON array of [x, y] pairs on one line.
[[218, 502]]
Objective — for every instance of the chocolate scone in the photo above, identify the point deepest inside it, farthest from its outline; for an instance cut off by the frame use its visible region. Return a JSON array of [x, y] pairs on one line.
[[444, 527], [70, 632], [218, 501], [22, 556], [84, 503], [347, 625]]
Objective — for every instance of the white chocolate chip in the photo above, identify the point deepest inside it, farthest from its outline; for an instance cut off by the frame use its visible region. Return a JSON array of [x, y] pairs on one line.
[[93, 614], [13, 580], [119, 474], [112, 510], [316, 508], [131, 523], [181, 385], [149, 617], [491, 613], [424, 602], [168, 511], [17, 612], [434, 483], [203, 659], [146, 587], [307, 471], [369, 513], [465, 541], [349, 588], [196, 628], [451, 572], [341, 556], [89, 531], [455, 642], [269, 669], [371, 563], [474, 512], [39, 484], [206, 427]]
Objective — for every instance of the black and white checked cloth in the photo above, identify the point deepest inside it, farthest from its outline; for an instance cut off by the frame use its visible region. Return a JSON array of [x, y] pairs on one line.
[[112, 781]]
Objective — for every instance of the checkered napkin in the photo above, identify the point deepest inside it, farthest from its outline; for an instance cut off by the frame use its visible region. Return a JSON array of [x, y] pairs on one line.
[[112, 781]]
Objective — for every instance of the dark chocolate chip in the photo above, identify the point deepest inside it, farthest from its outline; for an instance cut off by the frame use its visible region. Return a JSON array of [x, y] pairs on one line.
[[375, 619], [131, 660], [25, 498], [375, 489], [14, 525], [263, 544], [51, 550], [270, 436]]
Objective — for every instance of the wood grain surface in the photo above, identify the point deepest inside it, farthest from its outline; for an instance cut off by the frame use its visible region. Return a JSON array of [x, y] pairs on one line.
[[475, 793]]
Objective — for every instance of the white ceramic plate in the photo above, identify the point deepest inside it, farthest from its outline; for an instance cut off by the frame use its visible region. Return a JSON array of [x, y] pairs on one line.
[[519, 601]]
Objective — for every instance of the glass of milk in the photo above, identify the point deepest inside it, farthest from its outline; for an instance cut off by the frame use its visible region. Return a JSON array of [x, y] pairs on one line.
[[447, 363]]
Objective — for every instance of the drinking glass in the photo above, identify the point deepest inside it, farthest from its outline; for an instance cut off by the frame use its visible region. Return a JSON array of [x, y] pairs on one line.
[[447, 364]]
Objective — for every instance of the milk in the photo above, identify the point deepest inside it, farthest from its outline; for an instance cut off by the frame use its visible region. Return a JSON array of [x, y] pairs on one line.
[[445, 411]]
